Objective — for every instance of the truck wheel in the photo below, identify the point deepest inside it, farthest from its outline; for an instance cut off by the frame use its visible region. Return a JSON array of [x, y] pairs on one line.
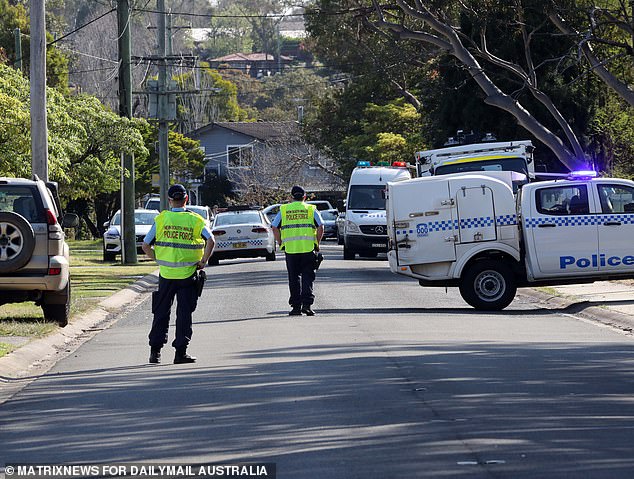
[[348, 253], [488, 285], [17, 242], [58, 312]]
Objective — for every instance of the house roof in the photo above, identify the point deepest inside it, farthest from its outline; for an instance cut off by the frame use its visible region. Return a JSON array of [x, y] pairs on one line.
[[260, 130]]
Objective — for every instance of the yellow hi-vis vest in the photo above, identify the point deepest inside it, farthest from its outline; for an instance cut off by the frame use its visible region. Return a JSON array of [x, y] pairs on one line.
[[297, 228], [179, 244]]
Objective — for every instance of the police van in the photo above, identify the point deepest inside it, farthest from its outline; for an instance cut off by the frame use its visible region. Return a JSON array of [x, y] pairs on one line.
[[365, 226], [470, 230]]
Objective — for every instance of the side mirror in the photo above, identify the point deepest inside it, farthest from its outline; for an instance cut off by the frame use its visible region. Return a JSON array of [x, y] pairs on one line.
[[70, 220], [106, 225], [341, 206]]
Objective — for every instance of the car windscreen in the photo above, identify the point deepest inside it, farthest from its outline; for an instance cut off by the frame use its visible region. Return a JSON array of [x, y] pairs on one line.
[[237, 218], [23, 200], [366, 197], [501, 164], [199, 211], [328, 215], [320, 205], [145, 218]]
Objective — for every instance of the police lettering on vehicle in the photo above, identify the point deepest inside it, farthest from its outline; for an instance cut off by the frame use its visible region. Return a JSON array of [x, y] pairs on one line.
[[595, 260]]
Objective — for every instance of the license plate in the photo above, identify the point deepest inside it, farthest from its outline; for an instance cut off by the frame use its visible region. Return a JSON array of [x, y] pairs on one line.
[[379, 245], [239, 245]]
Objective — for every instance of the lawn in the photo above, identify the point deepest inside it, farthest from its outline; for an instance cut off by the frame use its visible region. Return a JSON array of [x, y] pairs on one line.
[[92, 280]]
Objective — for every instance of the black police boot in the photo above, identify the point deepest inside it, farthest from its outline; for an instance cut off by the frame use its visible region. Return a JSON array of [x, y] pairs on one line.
[[155, 356], [182, 357], [296, 311], [307, 311]]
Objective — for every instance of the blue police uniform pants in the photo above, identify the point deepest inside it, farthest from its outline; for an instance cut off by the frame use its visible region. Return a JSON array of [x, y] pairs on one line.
[[186, 294], [301, 276]]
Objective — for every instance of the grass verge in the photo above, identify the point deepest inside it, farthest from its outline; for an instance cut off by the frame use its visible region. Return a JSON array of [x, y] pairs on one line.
[[92, 281]]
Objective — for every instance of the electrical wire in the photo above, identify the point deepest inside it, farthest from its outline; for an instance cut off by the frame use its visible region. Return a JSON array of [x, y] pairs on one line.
[[81, 27]]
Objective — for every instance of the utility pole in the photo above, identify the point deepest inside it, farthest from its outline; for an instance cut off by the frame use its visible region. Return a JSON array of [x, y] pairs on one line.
[[163, 129], [128, 236], [39, 131], [18, 49]]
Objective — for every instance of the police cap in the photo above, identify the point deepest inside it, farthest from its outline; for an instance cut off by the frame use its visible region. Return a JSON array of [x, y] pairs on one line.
[[177, 192], [297, 192]]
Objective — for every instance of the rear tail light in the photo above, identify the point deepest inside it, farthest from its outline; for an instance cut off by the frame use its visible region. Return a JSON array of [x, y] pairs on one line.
[[54, 271], [219, 232], [51, 220], [259, 229]]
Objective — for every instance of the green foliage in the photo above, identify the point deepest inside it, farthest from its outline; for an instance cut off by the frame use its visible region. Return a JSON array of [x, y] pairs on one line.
[[227, 34], [14, 16], [185, 156], [612, 138], [217, 100], [85, 139]]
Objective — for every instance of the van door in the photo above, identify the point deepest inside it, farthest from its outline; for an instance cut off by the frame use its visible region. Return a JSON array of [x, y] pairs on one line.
[[562, 234], [476, 217], [423, 221], [616, 227]]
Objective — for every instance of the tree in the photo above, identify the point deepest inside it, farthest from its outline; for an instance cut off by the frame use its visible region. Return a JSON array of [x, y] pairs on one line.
[[216, 99], [14, 16], [603, 38], [187, 160]]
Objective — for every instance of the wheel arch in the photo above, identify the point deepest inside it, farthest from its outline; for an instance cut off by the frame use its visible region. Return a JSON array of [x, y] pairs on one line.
[[500, 253]]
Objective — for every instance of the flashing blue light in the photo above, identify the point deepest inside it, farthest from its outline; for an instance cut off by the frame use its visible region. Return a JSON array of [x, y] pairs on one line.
[[583, 174], [363, 163]]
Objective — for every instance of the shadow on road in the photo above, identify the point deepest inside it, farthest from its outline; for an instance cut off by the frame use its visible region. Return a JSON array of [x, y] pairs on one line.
[[376, 409]]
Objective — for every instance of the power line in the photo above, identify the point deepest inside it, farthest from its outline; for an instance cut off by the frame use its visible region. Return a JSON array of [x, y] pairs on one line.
[[81, 27], [270, 15]]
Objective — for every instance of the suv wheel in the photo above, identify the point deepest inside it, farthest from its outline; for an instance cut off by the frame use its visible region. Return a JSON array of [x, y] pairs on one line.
[[17, 242], [58, 312]]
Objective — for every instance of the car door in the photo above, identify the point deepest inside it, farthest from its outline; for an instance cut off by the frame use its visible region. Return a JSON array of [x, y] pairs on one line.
[[423, 224], [564, 234], [616, 226]]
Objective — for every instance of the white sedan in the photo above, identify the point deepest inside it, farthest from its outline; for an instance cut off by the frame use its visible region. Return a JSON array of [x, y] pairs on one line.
[[143, 221], [242, 233]]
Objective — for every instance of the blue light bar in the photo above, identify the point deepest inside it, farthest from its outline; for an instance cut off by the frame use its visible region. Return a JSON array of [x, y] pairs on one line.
[[583, 174], [363, 163]]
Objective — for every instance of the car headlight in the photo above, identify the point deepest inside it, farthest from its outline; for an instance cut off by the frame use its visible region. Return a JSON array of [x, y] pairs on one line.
[[352, 227], [112, 234]]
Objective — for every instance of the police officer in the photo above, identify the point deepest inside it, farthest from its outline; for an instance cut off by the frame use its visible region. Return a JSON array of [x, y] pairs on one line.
[[182, 245], [298, 228]]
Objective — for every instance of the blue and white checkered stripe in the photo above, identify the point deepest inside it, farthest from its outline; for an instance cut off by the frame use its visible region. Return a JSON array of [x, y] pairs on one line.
[[466, 223], [585, 220], [229, 244]]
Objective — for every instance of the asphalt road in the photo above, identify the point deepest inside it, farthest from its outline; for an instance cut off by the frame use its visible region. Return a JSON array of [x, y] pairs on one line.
[[388, 380]]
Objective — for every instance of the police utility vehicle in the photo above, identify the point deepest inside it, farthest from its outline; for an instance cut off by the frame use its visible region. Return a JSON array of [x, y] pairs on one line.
[[497, 156], [470, 230]]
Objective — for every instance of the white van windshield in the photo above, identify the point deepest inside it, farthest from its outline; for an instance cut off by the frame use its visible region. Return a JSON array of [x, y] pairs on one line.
[[366, 197], [503, 164]]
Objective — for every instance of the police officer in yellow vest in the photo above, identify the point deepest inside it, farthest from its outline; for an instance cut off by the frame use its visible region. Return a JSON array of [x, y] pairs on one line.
[[298, 228], [182, 245]]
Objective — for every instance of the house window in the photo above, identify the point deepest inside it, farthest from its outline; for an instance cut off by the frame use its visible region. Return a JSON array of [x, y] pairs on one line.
[[240, 156]]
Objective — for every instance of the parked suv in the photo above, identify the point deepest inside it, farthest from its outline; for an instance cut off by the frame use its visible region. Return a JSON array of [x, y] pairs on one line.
[[34, 257]]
